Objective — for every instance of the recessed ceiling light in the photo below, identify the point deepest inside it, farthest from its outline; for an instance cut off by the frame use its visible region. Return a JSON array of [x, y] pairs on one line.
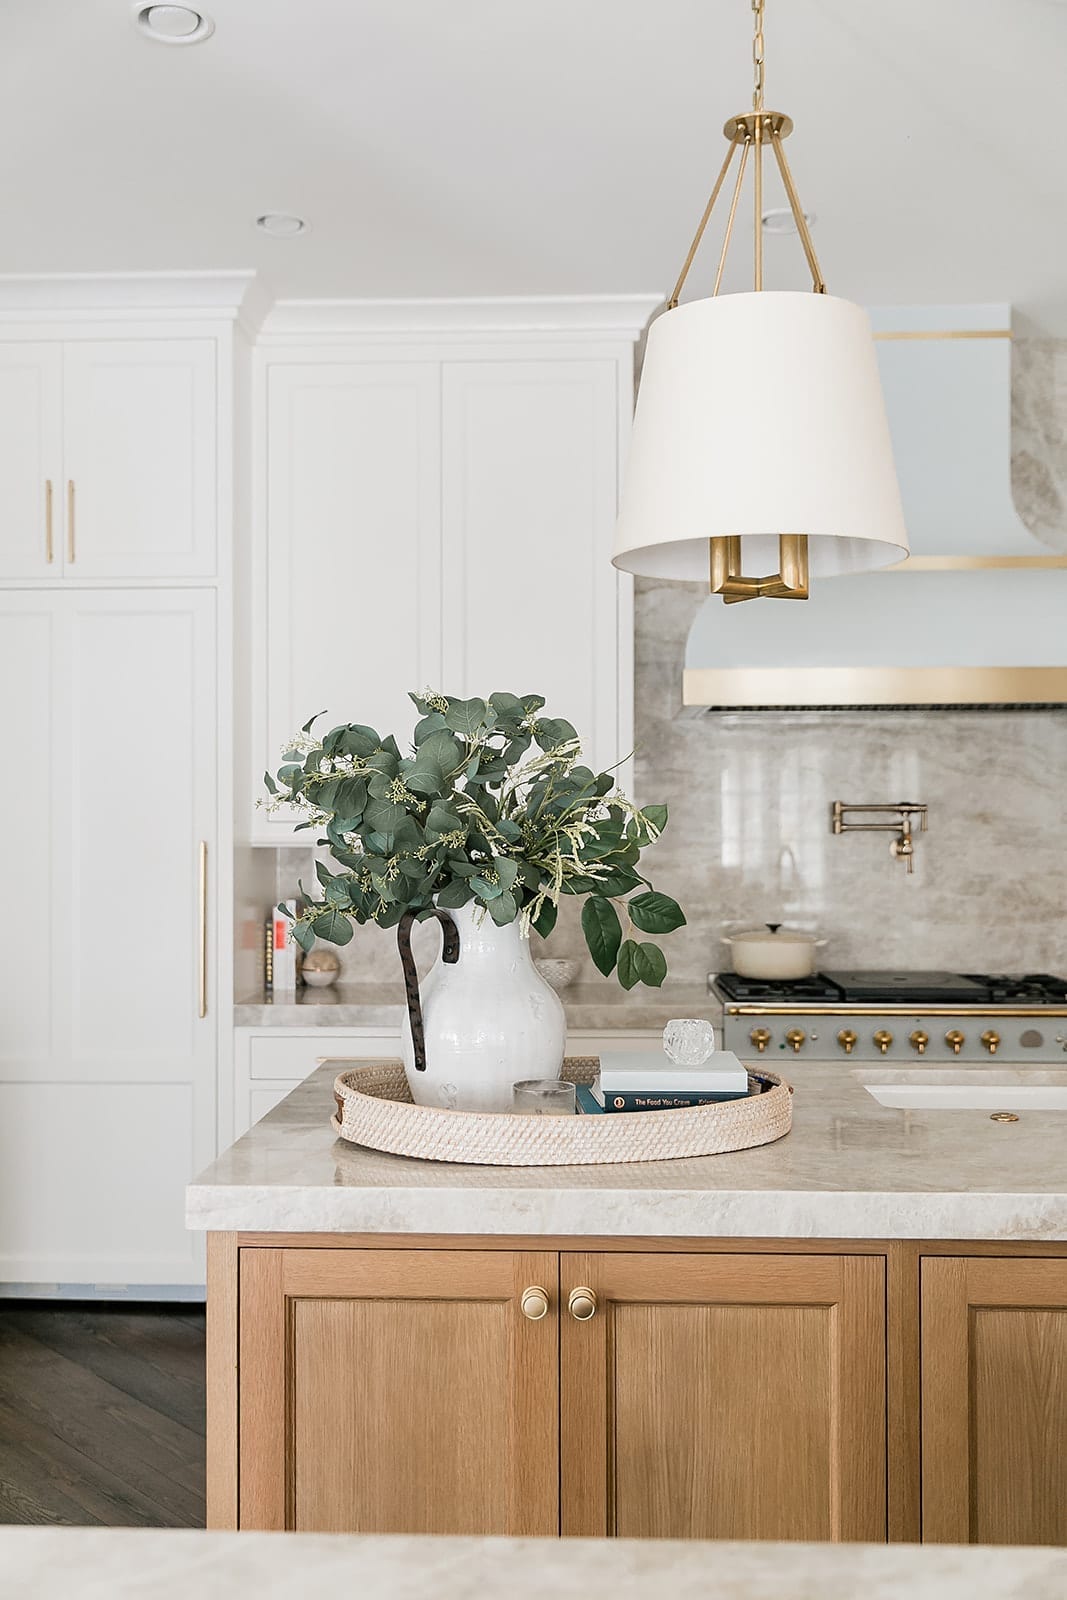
[[281, 225], [174, 24], [781, 220]]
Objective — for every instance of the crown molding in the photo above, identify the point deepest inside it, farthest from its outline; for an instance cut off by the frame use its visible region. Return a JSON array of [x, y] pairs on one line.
[[600, 316], [236, 295]]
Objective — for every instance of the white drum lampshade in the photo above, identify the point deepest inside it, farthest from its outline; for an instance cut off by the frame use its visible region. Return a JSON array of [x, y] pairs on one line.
[[760, 415]]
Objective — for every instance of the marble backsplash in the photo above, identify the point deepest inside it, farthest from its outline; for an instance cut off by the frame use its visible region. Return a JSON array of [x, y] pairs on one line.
[[749, 793]]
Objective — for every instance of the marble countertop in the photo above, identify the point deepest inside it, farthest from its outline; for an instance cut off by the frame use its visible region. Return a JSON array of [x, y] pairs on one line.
[[592, 1006], [849, 1169], [114, 1563]]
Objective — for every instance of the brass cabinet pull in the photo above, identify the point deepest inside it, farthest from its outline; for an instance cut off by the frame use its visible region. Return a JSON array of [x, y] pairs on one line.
[[534, 1302], [70, 519], [582, 1303], [202, 953], [49, 550]]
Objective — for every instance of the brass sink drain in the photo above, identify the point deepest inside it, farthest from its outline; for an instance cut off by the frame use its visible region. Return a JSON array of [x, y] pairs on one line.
[[1003, 1116]]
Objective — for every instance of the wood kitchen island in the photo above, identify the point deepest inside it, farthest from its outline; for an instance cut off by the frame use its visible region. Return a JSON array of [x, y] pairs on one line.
[[856, 1333]]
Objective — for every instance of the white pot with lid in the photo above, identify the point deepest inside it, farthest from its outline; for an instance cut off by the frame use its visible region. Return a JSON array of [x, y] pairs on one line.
[[773, 952]]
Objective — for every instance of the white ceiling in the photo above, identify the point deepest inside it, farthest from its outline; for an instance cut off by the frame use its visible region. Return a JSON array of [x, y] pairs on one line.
[[555, 146]]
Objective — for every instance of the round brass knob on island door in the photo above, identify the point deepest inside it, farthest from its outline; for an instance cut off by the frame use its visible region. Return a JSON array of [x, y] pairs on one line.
[[883, 1040], [919, 1040], [581, 1303], [534, 1302], [848, 1040], [955, 1040], [761, 1038], [991, 1040], [794, 1039]]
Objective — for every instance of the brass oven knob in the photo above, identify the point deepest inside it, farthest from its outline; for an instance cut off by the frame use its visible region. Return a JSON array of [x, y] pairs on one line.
[[991, 1040], [955, 1040], [919, 1040], [534, 1302], [848, 1040], [883, 1040], [581, 1303], [761, 1038], [794, 1039]]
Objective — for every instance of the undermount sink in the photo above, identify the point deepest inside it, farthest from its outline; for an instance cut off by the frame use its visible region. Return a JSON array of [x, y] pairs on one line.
[[970, 1097]]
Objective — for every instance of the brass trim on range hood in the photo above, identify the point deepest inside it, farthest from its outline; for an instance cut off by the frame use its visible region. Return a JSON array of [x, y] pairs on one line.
[[740, 688]]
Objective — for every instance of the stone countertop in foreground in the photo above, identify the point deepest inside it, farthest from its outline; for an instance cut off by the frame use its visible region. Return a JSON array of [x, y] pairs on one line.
[[850, 1169], [121, 1563]]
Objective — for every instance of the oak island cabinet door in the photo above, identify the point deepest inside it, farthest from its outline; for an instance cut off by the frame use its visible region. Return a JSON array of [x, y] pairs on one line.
[[994, 1401], [31, 463], [723, 1396], [139, 449], [398, 1391]]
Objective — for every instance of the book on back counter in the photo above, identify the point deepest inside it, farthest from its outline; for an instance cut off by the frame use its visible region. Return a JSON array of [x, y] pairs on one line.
[[659, 1100], [652, 1072]]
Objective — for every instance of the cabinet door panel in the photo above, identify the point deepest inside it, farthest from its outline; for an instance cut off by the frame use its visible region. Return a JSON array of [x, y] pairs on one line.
[[397, 1392], [353, 537], [530, 488], [994, 1401], [725, 1397], [30, 459], [139, 446]]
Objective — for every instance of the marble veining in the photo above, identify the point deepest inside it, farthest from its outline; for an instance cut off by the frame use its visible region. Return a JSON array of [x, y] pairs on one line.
[[849, 1169]]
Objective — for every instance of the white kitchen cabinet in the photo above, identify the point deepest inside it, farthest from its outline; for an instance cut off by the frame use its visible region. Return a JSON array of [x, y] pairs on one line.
[[107, 1041], [271, 1062], [108, 464], [31, 460]]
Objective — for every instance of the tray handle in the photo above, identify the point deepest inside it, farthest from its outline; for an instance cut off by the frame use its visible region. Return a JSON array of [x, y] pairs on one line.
[[449, 953]]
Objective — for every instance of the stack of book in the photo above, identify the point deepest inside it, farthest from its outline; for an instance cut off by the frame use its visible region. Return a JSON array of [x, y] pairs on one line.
[[632, 1080]]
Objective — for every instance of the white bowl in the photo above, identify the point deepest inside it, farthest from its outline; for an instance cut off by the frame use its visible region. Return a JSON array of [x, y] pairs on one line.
[[557, 971], [319, 980]]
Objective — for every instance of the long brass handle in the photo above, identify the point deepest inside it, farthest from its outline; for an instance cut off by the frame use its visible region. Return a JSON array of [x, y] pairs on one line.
[[70, 519], [534, 1302], [582, 1303], [202, 973], [49, 549]]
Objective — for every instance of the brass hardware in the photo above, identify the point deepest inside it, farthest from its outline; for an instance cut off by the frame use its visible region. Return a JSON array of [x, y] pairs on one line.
[[1003, 1116], [848, 1039], [991, 1040], [202, 962], [582, 1303], [741, 687], [883, 1040], [70, 519], [902, 846], [919, 1040], [947, 333], [736, 1009], [977, 564], [955, 1040], [795, 1038], [790, 582], [534, 1302], [761, 1038], [49, 550]]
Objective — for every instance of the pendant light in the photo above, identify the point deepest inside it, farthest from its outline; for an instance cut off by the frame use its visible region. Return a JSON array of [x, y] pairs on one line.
[[760, 437]]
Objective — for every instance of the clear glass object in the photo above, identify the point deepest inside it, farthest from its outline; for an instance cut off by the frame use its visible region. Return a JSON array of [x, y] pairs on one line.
[[543, 1097], [689, 1041]]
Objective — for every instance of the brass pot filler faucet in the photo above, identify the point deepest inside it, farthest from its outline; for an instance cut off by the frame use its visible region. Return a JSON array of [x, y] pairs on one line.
[[904, 813]]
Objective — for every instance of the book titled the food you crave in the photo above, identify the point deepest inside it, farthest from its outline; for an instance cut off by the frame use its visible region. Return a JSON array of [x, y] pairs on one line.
[[632, 1100]]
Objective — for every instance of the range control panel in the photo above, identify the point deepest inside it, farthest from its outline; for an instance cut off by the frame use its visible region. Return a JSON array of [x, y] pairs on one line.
[[939, 1040]]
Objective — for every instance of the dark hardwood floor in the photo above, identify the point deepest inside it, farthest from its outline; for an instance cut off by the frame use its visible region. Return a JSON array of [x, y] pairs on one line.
[[101, 1414]]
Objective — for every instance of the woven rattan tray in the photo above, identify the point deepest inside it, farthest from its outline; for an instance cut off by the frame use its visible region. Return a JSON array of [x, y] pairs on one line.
[[374, 1108]]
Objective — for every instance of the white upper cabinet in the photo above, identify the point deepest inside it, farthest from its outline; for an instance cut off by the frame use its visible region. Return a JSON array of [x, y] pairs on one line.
[[139, 429], [31, 460], [530, 472], [108, 463]]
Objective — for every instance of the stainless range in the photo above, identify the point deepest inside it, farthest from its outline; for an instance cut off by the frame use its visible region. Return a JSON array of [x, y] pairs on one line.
[[914, 1017]]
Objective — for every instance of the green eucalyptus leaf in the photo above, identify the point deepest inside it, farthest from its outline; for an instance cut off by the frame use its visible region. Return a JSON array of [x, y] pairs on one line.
[[503, 908], [311, 720], [507, 871], [466, 717], [358, 740], [485, 890], [455, 893], [333, 926], [304, 934], [442, 821], [433, 722], [545, 920], [656, 815], [655, 913], [270, 783], [603, 932]]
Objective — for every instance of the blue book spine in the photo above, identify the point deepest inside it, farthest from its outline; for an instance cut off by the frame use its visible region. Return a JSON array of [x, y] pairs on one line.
[[630, 1100]]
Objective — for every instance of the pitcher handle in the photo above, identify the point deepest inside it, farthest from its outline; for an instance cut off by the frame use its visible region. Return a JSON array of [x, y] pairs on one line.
[[449, 953]]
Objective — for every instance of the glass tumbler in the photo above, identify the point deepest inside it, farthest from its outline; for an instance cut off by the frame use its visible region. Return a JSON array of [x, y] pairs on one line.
[[543, 1097]]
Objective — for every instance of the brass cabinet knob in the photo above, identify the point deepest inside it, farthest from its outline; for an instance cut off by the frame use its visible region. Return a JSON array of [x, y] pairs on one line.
[[955, 1040], [848, 1040], [794, 1039], [883, 1040], [581, 1303], [534, 1302], [761, 1038], [991, 1039], [919, 1040]]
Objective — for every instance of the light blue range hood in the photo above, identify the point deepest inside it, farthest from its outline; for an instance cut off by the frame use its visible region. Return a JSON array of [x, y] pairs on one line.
[[978, 615]]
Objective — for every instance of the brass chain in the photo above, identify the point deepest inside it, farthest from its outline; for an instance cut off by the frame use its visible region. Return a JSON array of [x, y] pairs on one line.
[[757, 55]]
